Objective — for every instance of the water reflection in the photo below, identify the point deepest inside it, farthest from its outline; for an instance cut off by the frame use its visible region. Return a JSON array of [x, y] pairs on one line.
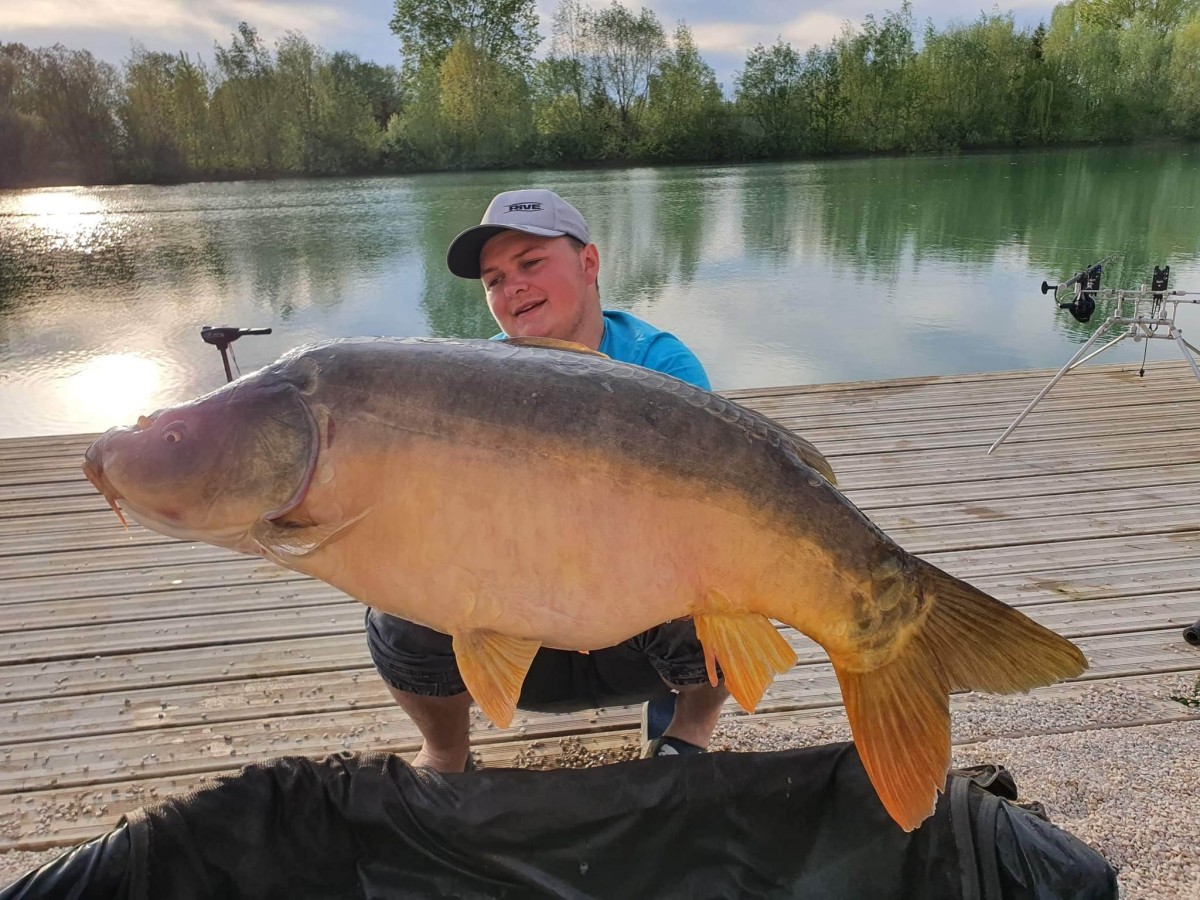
[[790, 273], [65, 219], [113, 388]]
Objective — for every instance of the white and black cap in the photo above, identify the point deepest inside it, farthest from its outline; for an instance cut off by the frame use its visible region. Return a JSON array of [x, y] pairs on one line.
[[533, 211]]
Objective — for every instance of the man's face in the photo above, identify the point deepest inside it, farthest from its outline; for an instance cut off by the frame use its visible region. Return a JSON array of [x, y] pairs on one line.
[[539, 286]]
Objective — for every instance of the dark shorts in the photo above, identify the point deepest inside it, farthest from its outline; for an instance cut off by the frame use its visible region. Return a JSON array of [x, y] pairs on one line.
[[419, 660]]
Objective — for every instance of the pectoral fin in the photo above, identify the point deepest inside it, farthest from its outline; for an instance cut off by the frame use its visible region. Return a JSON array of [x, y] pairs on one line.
[[749, 648], [493, 666], [280, 539]]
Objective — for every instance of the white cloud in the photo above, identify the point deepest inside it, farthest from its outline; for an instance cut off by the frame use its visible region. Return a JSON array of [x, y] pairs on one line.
[[141, 17], [738, 37], [818, 28]]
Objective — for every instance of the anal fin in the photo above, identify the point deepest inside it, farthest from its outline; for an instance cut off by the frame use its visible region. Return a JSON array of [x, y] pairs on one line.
[[749, 648], [493, 667]]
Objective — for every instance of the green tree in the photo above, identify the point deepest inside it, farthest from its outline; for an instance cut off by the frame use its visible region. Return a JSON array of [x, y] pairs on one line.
[[379, 84], [1185, 78], [685, 113], [190, 106], [769, 90], [76, 97], [483, 106], [573, 113], [825, 104], [504, 30], [1161, 15], [25, 151], [1114, 80], [152, 145], [244, 106], [876, 64], [970, 79], [627, 51]]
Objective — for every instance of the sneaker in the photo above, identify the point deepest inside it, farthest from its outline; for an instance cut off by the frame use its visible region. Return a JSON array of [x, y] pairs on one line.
[[669, 746], [657, 715]]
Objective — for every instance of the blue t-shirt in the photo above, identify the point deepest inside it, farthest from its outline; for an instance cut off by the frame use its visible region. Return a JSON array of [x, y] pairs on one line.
[[630, 340]]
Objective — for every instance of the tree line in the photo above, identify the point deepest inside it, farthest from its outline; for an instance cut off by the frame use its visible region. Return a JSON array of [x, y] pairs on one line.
[[614, 86]]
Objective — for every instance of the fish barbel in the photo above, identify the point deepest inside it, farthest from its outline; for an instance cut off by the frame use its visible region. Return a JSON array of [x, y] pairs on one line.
[[518, 495]]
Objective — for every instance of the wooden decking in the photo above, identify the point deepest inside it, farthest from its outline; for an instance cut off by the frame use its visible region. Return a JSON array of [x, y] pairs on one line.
[[132, 665]]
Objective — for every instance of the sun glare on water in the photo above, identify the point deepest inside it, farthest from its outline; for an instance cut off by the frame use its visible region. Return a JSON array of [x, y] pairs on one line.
[[112, 390], [68, 217]]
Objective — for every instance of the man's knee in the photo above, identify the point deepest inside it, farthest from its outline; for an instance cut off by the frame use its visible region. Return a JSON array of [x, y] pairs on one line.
[[675, 652], [412, 658]]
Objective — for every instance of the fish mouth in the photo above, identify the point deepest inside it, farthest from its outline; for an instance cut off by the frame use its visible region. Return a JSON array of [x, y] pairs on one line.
[[94, 471]]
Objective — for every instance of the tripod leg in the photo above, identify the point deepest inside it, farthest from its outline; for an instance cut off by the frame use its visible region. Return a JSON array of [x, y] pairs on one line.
[[1112, 343], [1184, 346], [1071, 363]]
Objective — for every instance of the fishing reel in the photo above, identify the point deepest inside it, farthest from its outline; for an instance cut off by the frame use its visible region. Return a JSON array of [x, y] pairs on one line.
[[1087, 285]]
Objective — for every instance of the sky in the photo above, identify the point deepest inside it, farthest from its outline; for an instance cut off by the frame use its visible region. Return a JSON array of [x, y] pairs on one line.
[[724, 29]]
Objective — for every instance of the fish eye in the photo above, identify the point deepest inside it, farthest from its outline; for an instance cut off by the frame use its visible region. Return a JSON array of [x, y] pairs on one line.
[[174, 433]]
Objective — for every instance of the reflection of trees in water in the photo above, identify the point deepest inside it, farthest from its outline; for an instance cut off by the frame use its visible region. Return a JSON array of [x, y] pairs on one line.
[[1067, 208], [651, 227], [454, 307], [1062, 211], [27, 276], [285, 247], [280, 258]]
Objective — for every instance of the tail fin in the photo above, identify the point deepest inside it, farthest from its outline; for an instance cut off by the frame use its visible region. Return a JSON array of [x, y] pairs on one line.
[[900, 712]]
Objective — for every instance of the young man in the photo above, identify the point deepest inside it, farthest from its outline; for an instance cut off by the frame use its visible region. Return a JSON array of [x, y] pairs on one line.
[[539, 271]]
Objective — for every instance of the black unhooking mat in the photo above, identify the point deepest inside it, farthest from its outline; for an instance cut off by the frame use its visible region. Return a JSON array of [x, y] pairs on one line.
[[800, 823]]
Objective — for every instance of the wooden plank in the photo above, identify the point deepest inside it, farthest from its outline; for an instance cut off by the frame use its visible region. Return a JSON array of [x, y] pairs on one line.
[[113, 559], [243, 572], [1070, 423], [1158, 367], [976, 466], [1163, 479], [34, 492], [982, 534], [1142, 501], [34, 508], [993, 400], [154, 668], [1084, 554], [148, 607], [1140, 578], [938, 416], [215, 629]]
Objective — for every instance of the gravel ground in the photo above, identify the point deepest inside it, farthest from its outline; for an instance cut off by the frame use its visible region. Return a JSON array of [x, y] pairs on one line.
[[1132, 792]]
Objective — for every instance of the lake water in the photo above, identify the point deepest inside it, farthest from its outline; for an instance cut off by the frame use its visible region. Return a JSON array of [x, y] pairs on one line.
[[774, 274]]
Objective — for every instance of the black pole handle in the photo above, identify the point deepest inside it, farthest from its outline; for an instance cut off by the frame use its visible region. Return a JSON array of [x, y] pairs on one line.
[[221, 336]]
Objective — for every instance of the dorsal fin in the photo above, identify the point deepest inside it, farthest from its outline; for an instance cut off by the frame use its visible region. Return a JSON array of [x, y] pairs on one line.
[[553, 344], [813, 458]]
